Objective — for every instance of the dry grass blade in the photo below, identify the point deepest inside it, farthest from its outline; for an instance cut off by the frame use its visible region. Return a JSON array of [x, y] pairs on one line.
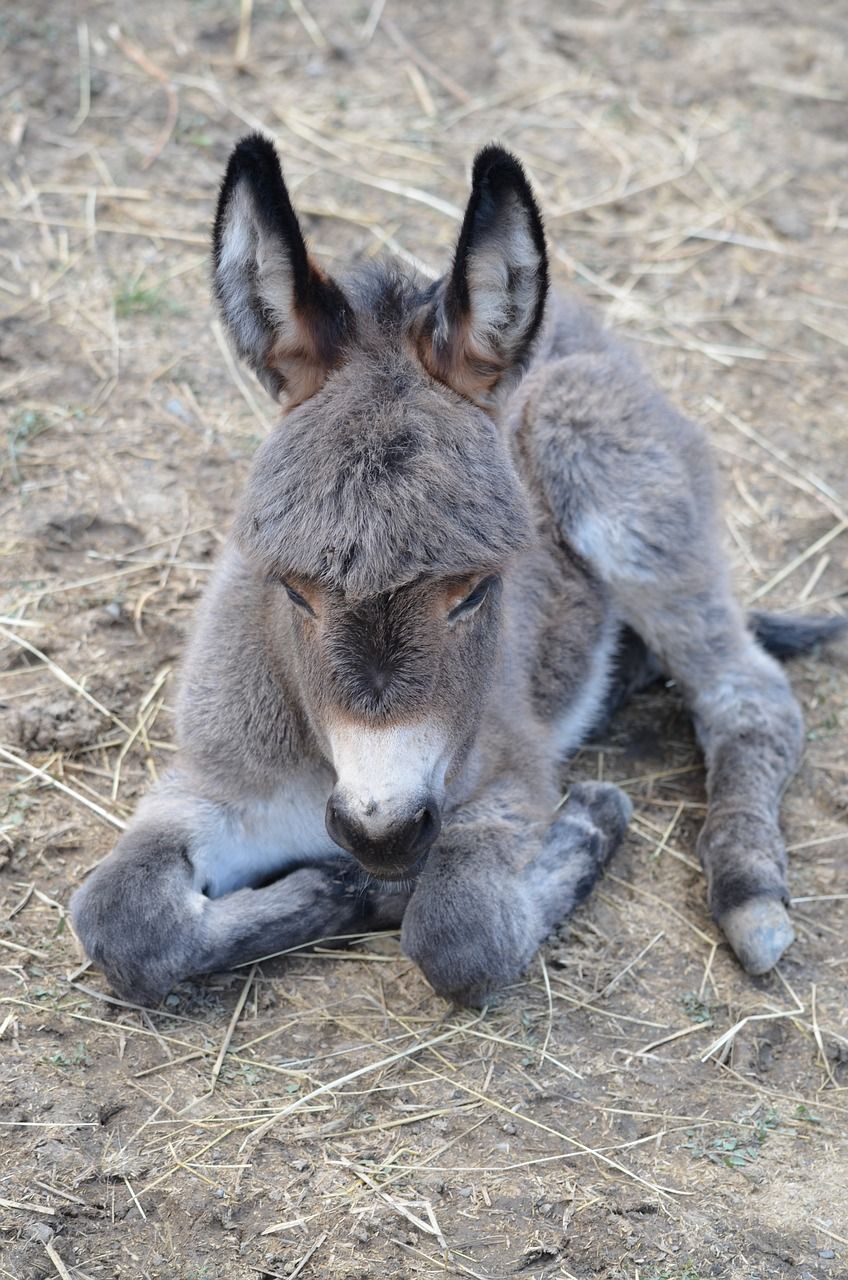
[[141, 59], [675, 1035], [425, 64], [84, 78], [819, 1041], [28, 1207], [16, 946], [368, 1069], [646, 893], [58, 1264], [228, 1035], [549, 996], [429, 1228], [372, 21], [307, 1257], [238, 380], [439, 1263], [833, 1235], [243, 39], [35, 772], [310, 26], [833, 500], [579, 1147], [725, 1040], [798, 560], [613, 983], [63, 676]]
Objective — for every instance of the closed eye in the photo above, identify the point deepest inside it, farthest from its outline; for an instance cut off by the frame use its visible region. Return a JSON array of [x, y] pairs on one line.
[[297, 599], [473, 600]]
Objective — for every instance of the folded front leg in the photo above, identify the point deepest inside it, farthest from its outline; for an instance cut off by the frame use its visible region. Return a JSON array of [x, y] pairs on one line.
[[497, 883], [148, 915]]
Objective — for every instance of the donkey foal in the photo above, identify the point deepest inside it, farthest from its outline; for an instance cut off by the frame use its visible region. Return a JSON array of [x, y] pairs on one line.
[[443, 575]]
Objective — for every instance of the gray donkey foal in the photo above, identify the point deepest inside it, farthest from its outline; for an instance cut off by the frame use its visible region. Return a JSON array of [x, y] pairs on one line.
[[476, 527]]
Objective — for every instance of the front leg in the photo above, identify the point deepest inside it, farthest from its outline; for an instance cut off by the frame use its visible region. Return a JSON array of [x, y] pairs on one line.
[[175, 898], [495, 886]]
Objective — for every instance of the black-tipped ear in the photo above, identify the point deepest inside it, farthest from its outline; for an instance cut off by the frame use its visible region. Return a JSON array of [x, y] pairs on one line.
[[478, 334], [288, 320]]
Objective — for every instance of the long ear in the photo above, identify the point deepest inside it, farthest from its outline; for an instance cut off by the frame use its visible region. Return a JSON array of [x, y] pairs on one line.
[[288, 320], [478, 333]]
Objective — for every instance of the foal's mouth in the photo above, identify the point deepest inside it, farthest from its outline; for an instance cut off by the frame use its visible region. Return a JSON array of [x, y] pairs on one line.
[[397, 873]]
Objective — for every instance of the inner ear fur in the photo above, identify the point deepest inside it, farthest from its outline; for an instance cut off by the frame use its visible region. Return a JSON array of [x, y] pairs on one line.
[[288, 320], [477, 333]]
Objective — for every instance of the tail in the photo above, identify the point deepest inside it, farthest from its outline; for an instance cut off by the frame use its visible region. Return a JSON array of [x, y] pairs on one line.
[[785, 636]]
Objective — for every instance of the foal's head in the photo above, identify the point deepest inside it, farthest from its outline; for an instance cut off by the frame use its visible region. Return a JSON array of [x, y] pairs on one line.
[[385, 508]]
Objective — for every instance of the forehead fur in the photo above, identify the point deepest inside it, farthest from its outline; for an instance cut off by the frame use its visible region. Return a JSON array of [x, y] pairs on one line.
[[384, 475]]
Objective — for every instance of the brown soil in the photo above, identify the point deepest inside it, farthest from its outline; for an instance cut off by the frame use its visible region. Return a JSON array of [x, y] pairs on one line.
[[693, 161]]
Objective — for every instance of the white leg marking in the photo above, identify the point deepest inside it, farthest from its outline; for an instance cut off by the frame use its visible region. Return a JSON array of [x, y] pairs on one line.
[[240, 846], [578, 718]]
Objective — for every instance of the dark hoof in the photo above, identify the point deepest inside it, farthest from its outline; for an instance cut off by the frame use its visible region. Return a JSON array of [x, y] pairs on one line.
[[759, 932], [610, 808]]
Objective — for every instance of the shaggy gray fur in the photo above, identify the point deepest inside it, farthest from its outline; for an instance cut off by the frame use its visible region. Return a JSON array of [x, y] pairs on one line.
[[437, 586], [373, 484]]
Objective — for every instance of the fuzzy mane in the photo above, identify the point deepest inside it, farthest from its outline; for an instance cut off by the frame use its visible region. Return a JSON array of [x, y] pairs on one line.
[[385, 475]]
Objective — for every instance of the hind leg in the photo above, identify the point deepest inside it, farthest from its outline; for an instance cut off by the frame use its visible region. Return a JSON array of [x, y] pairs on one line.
[[630, 484], [751, 731], [147, 918]]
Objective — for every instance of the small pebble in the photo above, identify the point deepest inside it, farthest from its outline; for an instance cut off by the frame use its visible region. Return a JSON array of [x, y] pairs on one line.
[[790, 222], [40, 1231], [826, 1253], [465, 1192], [178, 409]]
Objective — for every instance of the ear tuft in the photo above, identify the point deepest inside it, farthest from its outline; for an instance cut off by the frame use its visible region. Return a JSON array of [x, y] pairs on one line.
[[478, 334], [288, 320]]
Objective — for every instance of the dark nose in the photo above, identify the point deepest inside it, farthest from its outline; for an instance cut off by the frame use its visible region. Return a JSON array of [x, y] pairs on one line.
[[384, 848]]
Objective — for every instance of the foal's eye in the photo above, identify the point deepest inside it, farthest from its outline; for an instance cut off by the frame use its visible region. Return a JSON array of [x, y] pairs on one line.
[[297, 598], [473, 600]]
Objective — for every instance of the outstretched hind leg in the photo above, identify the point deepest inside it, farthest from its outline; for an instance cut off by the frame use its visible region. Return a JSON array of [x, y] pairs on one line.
[[144, 919], [751, 730], [629, 482]]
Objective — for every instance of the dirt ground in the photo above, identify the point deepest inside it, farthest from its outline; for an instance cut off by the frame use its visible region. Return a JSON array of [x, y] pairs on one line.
[[636, 1108]]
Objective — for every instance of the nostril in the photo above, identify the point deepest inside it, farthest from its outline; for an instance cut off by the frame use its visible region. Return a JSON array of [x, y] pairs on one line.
[[337, 828], [428, 824]]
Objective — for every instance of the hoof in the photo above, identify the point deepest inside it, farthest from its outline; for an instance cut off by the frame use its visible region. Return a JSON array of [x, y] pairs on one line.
[[609, 807], [759, 932]]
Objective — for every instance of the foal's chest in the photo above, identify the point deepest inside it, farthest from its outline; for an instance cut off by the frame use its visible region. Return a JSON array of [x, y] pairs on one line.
[[262, 838]]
